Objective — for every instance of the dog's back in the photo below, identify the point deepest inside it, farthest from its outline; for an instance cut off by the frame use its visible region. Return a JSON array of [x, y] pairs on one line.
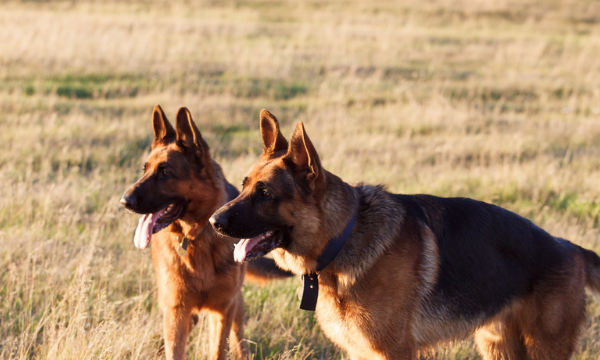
[[488, 256]]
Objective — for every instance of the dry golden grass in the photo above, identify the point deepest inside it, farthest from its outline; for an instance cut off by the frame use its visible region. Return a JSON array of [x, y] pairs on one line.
[[496, 100]]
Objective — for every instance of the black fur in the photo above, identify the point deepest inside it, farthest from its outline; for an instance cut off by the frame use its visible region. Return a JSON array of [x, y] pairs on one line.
[[488, 255]]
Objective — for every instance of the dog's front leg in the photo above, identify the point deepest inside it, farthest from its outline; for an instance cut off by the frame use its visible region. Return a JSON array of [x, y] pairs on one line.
[[220, 326], [176, 321], [237, 344]]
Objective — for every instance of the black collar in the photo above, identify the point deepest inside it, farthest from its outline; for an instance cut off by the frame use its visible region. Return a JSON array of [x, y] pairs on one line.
[[310, 291]]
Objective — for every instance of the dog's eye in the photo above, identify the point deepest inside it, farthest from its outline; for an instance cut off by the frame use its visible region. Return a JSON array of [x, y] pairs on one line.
[[165, 173], [264, 193]]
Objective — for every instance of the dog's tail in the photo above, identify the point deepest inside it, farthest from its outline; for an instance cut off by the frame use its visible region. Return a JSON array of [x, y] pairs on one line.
[[262, 269], [592, 270]]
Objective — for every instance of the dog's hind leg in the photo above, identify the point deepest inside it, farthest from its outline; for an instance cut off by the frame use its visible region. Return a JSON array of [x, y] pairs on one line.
[[552, 319], [501, 340], [237, 344]]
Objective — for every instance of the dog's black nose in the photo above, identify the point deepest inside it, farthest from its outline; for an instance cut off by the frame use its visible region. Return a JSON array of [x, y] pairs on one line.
[[128, 201], [218, 222]]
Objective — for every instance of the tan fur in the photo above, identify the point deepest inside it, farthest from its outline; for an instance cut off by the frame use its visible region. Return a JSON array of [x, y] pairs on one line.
[[207, 278]]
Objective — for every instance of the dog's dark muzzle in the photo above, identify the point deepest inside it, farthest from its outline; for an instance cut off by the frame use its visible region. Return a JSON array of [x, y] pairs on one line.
[[143, 198], [133, 201], [237, 219], [220, 220]]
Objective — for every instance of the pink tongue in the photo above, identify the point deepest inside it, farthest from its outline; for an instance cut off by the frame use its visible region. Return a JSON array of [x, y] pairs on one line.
[[243, 247], [143, 233]]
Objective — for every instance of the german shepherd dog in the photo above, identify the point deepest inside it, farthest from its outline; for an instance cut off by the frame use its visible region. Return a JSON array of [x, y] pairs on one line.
[[181, 187], [413, 270]]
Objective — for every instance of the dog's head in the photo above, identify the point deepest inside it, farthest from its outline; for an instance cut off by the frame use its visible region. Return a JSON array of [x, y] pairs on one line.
[[177, 180], [279, 205]]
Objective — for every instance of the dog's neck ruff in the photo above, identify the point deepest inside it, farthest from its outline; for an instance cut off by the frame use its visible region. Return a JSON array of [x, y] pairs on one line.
[[310, 291]]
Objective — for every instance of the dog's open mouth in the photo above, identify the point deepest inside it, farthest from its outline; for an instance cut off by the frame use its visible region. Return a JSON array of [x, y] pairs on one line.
[[248, 249], [155, 222]]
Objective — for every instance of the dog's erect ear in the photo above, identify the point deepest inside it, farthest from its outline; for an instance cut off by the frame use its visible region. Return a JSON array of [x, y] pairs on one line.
[[189, 137], [303, 155], [272, 139], [163, 131]]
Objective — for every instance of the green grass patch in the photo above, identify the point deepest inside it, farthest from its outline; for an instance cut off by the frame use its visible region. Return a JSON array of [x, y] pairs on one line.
[[84, 86], [267, 88]]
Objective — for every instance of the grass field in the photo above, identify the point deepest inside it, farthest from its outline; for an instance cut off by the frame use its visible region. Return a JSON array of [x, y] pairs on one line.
[[495, 100]]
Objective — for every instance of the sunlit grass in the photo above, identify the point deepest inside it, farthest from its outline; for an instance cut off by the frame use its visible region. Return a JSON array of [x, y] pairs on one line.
[[497, 101]]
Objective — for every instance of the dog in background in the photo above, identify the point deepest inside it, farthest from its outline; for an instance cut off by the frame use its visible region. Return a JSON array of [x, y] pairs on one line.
[[180, 188], [397, 274]]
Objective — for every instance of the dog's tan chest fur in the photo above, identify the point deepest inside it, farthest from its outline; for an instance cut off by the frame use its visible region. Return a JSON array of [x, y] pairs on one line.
[[368, 317]]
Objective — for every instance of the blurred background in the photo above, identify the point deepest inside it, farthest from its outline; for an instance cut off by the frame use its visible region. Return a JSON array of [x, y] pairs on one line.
[[490, 99]]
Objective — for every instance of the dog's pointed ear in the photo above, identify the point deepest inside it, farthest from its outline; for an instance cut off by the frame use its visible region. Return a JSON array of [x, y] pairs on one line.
[[189, 137], [163, 131], [272, 138], [303, 155]]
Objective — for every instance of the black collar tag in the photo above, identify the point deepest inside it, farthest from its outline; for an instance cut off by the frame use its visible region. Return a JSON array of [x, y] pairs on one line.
[[310, 290]]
